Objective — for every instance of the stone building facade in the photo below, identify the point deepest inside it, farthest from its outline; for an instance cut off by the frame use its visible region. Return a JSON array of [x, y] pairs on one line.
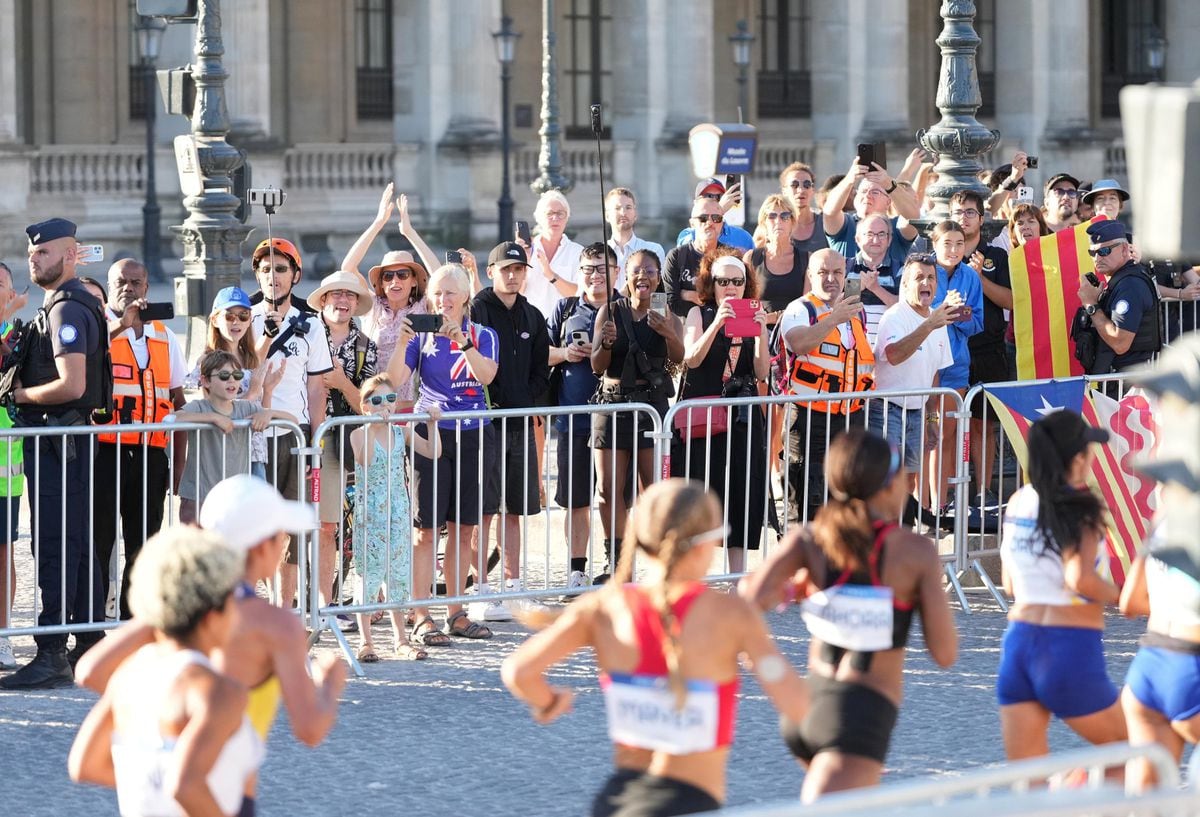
[[333, 98]]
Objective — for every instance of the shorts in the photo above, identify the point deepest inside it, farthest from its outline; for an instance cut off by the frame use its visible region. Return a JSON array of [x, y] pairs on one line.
[[851, 719], [281, 472], [576, 470], [10, 514], [451, 491], [1167, 681], [902, 427], [630, 793], [510, 473], [616, 429], [987, 366], [333, 483], [1061, 668]]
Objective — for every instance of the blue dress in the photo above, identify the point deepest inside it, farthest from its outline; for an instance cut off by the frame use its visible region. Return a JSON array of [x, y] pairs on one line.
[[382, 524]]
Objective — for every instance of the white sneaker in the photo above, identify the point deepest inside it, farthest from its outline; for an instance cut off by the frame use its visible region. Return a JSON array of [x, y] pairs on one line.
[[487, 610], [516, 605], [7, 659], [577, 578]]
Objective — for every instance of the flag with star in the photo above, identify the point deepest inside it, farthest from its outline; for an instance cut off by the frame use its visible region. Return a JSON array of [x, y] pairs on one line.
[[1127, 494], [1045, 290]]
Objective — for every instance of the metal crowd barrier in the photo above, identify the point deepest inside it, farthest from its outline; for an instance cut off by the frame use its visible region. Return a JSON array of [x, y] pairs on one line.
[[77, 511], [543, 574], [1179, 318], [1011, 790]]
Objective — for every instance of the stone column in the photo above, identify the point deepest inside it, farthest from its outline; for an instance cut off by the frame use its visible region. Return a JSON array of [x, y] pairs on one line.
[[10, 92], [885, 76], [248, 60], [838, 105]]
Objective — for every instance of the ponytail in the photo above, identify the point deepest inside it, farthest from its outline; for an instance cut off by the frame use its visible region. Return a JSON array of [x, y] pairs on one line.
[[1064, 511]]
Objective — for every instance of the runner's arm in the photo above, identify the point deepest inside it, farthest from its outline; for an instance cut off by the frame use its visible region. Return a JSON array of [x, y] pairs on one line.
[[937, 622], [97, 665]]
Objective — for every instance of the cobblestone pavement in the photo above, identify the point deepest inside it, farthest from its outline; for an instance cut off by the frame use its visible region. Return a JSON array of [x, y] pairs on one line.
[[442, 737]]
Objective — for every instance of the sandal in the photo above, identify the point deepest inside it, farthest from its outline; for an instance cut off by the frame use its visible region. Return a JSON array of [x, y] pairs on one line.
[[473, 629], [367, 655], [410, 652], [430, 636]]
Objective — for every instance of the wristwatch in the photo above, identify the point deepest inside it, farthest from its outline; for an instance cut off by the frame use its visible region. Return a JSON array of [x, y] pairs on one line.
[[891, 189], [1009, 186], [1090, 309], [554, 280], [466, 344]]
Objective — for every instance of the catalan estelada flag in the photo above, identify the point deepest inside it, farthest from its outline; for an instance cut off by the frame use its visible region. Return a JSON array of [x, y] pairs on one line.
[[1045, 287], [1128, 494]]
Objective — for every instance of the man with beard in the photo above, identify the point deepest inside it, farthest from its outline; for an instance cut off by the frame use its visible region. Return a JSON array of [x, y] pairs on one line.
[[620, 210], [1061, 201], [61, 379]]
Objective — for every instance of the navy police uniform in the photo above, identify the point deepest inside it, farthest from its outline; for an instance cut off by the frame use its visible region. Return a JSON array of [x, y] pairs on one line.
[[1130, 301]]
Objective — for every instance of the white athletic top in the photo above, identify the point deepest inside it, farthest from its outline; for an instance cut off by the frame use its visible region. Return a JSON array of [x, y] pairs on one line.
[[1174, 595], [142, 757], [1036, 572]]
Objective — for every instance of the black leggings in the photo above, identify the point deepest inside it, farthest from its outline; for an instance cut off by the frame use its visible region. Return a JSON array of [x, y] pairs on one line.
[[842, 717], [629, 793]]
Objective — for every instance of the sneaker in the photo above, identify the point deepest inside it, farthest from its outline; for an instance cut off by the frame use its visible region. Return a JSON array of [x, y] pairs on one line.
[[491, 610], [515, 606], [47, 670], [601, 579], [7, 659], [577, 579]]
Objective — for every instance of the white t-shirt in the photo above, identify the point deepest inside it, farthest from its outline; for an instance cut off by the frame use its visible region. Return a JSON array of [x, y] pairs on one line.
[[303, 354], [565, 264], [141, 354], [898, 322]]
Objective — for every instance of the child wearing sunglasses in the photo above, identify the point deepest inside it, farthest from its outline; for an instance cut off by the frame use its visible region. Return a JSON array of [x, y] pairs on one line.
[[383, 510], [213, 456]]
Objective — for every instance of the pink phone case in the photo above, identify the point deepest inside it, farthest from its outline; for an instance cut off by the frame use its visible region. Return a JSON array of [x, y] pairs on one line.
[[743, 325]]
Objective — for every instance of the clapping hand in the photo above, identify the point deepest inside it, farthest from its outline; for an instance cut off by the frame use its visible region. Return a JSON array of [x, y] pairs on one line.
[[387, 204]]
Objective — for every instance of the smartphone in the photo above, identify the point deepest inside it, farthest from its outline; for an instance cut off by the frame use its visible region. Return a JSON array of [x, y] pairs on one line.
[[157, 312], [521, 231], [853, 287], [426, 323], [730, 180], [742, 324], [580, 338], [89, 254], [658, 303], [1092, 279], [1024, 194], [872, 154], [453, 257]]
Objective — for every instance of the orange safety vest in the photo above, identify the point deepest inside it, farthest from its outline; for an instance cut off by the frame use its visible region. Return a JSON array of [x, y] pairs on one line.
[[830, 367], [141, 395]]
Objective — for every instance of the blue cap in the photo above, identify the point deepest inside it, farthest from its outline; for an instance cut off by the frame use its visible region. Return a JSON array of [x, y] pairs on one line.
[[49, 230], [1107, 230], [229, 297]]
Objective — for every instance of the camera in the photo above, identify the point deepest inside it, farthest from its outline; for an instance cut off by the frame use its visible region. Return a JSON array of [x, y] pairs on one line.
[[737, 386], [268, 198], [1031, 162]]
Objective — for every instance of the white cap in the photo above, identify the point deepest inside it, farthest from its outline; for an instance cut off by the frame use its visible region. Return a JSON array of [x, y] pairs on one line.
[[245, 510]]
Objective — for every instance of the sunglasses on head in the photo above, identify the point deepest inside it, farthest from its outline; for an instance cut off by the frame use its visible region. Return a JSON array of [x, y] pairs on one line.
[[224, 375], [380, 399], [704, 218], [401, 274], [729, 282], [921, 258], [1102, 252], [801, 183]]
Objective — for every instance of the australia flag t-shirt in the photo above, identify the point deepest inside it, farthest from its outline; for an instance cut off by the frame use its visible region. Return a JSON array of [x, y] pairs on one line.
[[446, 379]]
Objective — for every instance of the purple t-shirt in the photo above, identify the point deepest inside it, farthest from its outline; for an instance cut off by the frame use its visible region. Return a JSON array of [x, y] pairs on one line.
[[446, 380]]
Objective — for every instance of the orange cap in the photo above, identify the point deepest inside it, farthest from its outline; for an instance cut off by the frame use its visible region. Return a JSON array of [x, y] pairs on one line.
[[281, 245]]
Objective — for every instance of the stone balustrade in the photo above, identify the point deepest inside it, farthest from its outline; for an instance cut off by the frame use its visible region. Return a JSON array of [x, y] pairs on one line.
[[338, 166], [75, 170]]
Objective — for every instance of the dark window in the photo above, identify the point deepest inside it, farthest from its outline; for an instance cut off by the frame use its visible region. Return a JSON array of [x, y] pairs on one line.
[[373, 58], [985, 57], [137, 71], [1125, 28], [785, 68], [587, 80]]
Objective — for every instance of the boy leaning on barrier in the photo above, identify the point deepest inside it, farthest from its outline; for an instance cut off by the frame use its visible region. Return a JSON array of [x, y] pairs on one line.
[[214, 456]]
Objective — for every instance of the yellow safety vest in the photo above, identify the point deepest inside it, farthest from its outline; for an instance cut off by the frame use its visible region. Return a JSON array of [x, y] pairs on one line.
[[12, 462]]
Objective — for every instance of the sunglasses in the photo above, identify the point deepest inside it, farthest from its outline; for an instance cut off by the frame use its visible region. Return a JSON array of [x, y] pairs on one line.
[[729, 282], [805, 184], [1065, 192], [784, 216], [401, 274], [713, 196], [704, 218], [1102, 252], [380, 399], [224, 376], [240, 316]]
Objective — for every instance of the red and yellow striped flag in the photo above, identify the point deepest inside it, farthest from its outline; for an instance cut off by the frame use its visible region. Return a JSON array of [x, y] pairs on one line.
[[1045, 287]]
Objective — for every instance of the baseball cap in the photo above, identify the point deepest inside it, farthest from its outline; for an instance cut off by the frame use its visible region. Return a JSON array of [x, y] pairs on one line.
[[1062, 177], [230, 297], [506, 254], [281, 245], [1070, 432], [245, 510], [710, 185]]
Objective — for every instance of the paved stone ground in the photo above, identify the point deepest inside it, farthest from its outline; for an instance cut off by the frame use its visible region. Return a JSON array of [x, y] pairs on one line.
[[443, 738]]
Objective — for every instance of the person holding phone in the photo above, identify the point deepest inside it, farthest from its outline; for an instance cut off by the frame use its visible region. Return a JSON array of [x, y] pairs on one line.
[[726, 446], [726, 197], [135, 475], [873, 192]]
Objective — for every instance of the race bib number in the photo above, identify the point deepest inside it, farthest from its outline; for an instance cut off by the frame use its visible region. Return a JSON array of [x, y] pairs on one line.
[[851, 616], [642, 713]]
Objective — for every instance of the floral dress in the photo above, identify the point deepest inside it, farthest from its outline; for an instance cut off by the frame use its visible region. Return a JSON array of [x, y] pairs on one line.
[[382, 523]]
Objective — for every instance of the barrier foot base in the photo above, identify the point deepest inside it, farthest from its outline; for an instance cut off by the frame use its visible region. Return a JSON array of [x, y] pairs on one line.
[[990, 585], [952, 577], [330, 623]]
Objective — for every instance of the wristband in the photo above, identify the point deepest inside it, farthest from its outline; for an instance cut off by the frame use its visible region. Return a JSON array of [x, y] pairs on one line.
[[606, 345], [466, 344], [1009, 186], [891, 189], [554, 280]]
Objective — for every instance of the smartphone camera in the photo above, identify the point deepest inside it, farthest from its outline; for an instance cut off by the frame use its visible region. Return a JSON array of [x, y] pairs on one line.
[[454, 257], [1031, 162], [268, 198]]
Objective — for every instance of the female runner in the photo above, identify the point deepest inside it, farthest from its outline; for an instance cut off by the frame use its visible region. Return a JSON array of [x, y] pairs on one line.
[[668, 652]]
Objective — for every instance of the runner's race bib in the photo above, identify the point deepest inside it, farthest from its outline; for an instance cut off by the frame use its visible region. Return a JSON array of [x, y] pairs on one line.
[[642, 713], [851, 616]]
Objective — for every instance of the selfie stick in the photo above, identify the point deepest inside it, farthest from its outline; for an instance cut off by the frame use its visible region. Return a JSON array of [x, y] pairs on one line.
[[603, 221]]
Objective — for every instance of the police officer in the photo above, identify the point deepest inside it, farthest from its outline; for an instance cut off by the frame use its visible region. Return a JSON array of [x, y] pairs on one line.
[[61, 380], [1124, 314]]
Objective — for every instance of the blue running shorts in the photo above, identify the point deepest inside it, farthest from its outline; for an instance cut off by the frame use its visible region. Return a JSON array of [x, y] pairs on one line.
[[1062, 668], [1166, 681]]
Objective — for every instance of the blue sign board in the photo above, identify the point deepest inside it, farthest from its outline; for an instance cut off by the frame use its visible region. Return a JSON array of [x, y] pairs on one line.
[[736, 154]]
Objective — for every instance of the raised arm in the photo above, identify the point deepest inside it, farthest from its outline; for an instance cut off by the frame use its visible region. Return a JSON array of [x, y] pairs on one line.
[[358, 249], [428, 257]]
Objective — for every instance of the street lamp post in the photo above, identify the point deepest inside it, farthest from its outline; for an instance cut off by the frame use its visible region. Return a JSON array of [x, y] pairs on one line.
[[741, 41], [957, 139], [550, 175], [506, 45], [1156, 53], [149, 38]]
